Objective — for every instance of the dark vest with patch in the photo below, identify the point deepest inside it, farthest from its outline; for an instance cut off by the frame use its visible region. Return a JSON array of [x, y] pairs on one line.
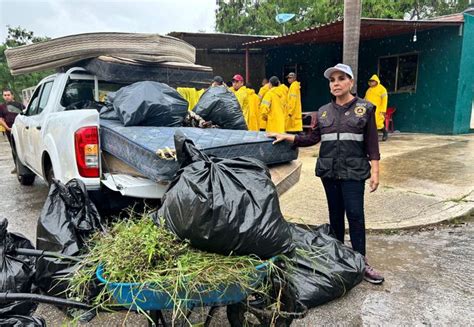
[[342, 154]]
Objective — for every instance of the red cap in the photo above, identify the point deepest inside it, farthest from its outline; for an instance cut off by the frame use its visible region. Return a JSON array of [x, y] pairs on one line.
[[238, 77]]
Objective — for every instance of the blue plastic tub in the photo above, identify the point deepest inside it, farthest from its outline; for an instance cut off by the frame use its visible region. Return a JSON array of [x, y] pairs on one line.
[[148, 297]]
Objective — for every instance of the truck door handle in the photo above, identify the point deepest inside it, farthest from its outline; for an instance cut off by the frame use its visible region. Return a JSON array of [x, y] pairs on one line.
[[38, 128], [27, 127]]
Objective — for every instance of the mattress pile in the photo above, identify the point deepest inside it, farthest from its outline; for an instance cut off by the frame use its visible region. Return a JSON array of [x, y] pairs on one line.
[[126, 48], [141, 147]]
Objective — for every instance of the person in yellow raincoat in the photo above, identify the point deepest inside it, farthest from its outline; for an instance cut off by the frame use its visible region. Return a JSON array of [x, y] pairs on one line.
[[377, 95], [263, 89], [273, 106], [254, 110], [261, 93], [246, 101], [191, 95], [294, 122]]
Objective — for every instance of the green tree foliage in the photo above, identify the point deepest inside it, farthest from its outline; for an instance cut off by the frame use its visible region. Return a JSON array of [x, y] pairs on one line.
[[258, 16], [18, 36]]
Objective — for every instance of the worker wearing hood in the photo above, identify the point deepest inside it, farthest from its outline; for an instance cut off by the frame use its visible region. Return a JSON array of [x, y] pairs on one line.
[[273, 106], [294, 122], [377, 95]]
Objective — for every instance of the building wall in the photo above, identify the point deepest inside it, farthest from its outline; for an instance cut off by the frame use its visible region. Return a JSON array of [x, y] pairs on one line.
[[313, 60], [229, 64], [431, 108], [465, 91]]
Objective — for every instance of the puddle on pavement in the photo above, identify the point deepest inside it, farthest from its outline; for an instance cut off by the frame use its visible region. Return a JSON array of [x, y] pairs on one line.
[[447, 164], [429, 278]]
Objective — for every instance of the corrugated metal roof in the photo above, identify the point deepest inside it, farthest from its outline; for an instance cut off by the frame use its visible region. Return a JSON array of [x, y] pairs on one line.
[[217, 40], [371, 28]]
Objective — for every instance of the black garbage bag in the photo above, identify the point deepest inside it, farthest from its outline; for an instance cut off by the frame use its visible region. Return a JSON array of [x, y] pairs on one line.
[[67, 220], [108, 112], [21, 321], [224, 205], [219, 105], [16, 271], [327, 269], [149, 104]]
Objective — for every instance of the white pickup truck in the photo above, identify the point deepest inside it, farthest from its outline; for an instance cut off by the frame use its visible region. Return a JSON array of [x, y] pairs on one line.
[[52, 142]]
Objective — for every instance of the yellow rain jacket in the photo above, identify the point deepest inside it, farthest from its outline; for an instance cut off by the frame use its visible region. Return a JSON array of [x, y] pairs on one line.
[[242, 95], [264, 89], [261, 93], [378, 96], [294, 122], [191, 95], [273, 109], [254, 111]]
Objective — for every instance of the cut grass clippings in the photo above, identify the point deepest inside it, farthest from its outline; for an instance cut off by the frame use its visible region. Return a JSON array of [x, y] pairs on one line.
[[138, 251]]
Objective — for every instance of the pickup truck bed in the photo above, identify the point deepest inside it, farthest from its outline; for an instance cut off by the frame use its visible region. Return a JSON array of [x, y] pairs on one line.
[[137, 146]]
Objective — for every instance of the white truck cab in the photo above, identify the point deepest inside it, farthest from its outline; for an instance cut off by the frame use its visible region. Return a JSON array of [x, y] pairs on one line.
[[53, 142]]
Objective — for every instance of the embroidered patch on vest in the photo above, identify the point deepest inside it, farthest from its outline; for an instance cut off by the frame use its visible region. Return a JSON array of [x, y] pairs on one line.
[[360, 111], [324, 114]]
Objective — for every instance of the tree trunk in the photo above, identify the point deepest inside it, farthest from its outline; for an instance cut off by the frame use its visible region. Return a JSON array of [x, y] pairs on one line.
[[350, 54]]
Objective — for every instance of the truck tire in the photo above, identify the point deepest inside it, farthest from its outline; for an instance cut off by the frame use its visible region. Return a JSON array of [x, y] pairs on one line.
[[24, 175]]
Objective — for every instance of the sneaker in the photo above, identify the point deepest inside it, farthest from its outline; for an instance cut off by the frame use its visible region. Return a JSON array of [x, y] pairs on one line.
[[13, 171], [371, 275], [385, 136]]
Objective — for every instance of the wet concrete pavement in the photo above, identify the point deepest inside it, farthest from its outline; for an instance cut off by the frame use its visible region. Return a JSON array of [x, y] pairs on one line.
[[428, 272], [424, 179]]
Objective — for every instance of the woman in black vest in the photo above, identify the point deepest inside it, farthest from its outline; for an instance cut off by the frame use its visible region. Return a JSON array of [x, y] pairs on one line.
[[348, 156]]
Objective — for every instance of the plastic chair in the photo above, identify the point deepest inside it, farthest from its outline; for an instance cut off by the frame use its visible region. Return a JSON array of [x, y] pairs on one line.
[[389, 119], [309, 121]]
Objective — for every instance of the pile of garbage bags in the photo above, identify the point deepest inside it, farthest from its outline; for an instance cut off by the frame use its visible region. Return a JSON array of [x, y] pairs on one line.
[[16, 276], [66, 222], [148, 104], [227, 206], [151, 103], [230, 206]]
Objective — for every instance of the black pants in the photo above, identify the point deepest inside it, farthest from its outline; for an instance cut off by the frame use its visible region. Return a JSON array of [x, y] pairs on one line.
[[10, 140], [347, 198]]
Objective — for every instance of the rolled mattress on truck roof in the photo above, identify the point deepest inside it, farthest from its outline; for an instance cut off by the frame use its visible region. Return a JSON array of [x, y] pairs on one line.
[[139, 146]]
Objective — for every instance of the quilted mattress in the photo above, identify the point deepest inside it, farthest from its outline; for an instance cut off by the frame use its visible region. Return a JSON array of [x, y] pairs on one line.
[[137, 146]]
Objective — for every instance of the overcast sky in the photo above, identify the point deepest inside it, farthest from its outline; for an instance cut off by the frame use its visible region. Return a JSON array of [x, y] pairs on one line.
[[56, 18]]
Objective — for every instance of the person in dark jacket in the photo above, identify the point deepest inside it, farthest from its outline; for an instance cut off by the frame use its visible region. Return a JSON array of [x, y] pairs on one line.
[[8, 112], [348, 156]]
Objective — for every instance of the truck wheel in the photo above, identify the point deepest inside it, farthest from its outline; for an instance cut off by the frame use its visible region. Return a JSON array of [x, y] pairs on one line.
[[25, 176]]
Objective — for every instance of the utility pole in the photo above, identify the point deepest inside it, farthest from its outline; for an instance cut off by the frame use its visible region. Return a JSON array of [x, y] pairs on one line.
[[350, 48]]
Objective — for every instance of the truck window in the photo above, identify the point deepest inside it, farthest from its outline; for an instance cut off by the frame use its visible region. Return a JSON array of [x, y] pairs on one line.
[[43, 101], [77, 90], [83, 90], [34, 101]]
